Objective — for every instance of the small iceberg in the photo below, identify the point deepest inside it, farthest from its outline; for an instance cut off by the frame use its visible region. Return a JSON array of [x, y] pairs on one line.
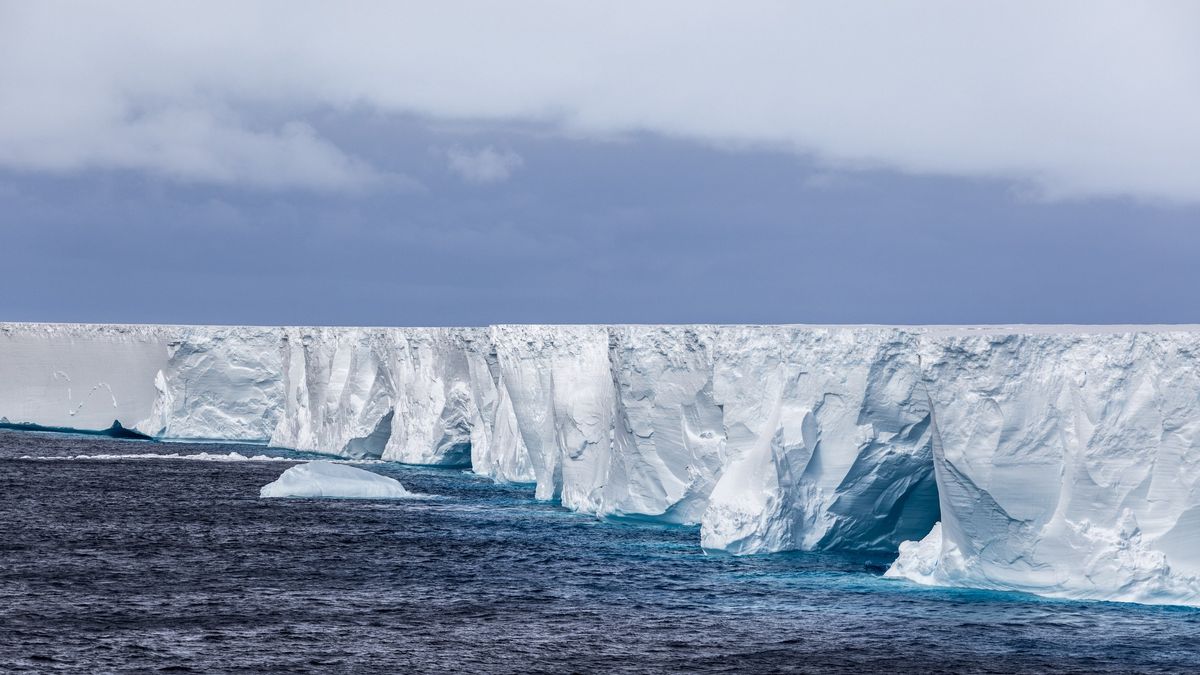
[[327, 479], [918, 560]]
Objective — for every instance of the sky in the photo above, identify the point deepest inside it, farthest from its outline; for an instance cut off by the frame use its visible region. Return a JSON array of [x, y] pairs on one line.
[[466, 163]]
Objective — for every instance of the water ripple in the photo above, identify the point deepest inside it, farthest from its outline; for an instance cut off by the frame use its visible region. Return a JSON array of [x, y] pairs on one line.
[[178, 566]]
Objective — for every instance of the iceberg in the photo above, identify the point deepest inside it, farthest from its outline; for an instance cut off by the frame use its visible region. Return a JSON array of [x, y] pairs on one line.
[[1062, 460], [328, 479]]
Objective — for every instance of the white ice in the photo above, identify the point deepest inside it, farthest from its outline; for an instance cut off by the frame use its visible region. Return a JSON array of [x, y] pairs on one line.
[[329, 479]]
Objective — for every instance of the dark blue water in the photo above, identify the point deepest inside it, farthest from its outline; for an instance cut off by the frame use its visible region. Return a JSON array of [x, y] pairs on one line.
[[141, 564]]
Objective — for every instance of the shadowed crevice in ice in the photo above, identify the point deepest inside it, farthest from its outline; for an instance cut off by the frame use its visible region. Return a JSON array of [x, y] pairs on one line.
[[372, 445], [455, 456], [887, 497]]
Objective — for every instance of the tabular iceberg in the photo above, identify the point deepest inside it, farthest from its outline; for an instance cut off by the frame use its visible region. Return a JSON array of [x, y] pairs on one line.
[[327, 479], [1058, 460]]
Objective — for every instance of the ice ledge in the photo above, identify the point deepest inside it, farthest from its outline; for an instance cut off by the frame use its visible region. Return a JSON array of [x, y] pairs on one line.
[[1103, 564]]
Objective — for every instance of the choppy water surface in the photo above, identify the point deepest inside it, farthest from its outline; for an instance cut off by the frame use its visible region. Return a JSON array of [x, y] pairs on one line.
[[149, 564]]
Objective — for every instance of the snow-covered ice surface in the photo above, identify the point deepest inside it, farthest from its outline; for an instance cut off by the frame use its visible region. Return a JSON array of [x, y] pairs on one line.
[[1059, 460], [330, 479]]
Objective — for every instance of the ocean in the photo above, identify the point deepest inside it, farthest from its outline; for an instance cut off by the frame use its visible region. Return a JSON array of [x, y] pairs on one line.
[[138, 562]]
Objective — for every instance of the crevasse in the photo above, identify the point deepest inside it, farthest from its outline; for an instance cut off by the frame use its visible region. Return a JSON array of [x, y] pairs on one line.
[[1058, 460]]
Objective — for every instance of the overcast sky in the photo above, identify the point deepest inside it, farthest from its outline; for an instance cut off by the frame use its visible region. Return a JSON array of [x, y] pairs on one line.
[[473, 163]]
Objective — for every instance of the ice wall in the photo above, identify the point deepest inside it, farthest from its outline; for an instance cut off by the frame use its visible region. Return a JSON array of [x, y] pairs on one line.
[[827, 435], [771, 438], [402, 394], [219, 383], [1068, 464], [80, 376], [1059, 460]]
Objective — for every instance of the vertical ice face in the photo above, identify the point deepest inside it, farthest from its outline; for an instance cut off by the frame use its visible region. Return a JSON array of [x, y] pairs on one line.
[[615, 421], [78, 376], [339, 390], [436, 406], [557, 381], [165, 381], [497, 446], [408, 395], [1068, 464], [669, 441], [827, 441], [217, 383], [771, 438]]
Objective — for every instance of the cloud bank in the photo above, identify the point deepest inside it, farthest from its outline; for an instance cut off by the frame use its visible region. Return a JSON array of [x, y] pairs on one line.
[[486, 165], [1069, 99]]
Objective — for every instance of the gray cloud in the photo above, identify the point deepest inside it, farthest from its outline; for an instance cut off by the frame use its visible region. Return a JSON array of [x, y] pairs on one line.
[[1076, 98], [651, 230], [486, 165]]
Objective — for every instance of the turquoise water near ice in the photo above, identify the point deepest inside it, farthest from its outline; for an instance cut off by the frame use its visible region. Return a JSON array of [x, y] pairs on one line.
[[166, 564]]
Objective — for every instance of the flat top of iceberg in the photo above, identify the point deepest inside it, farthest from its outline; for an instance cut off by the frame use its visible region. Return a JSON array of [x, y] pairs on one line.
[[1015, 328], [329, 479]]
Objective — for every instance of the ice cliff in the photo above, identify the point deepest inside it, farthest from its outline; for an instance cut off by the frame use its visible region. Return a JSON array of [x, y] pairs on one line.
[[1068, 464], [1058, 460]]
